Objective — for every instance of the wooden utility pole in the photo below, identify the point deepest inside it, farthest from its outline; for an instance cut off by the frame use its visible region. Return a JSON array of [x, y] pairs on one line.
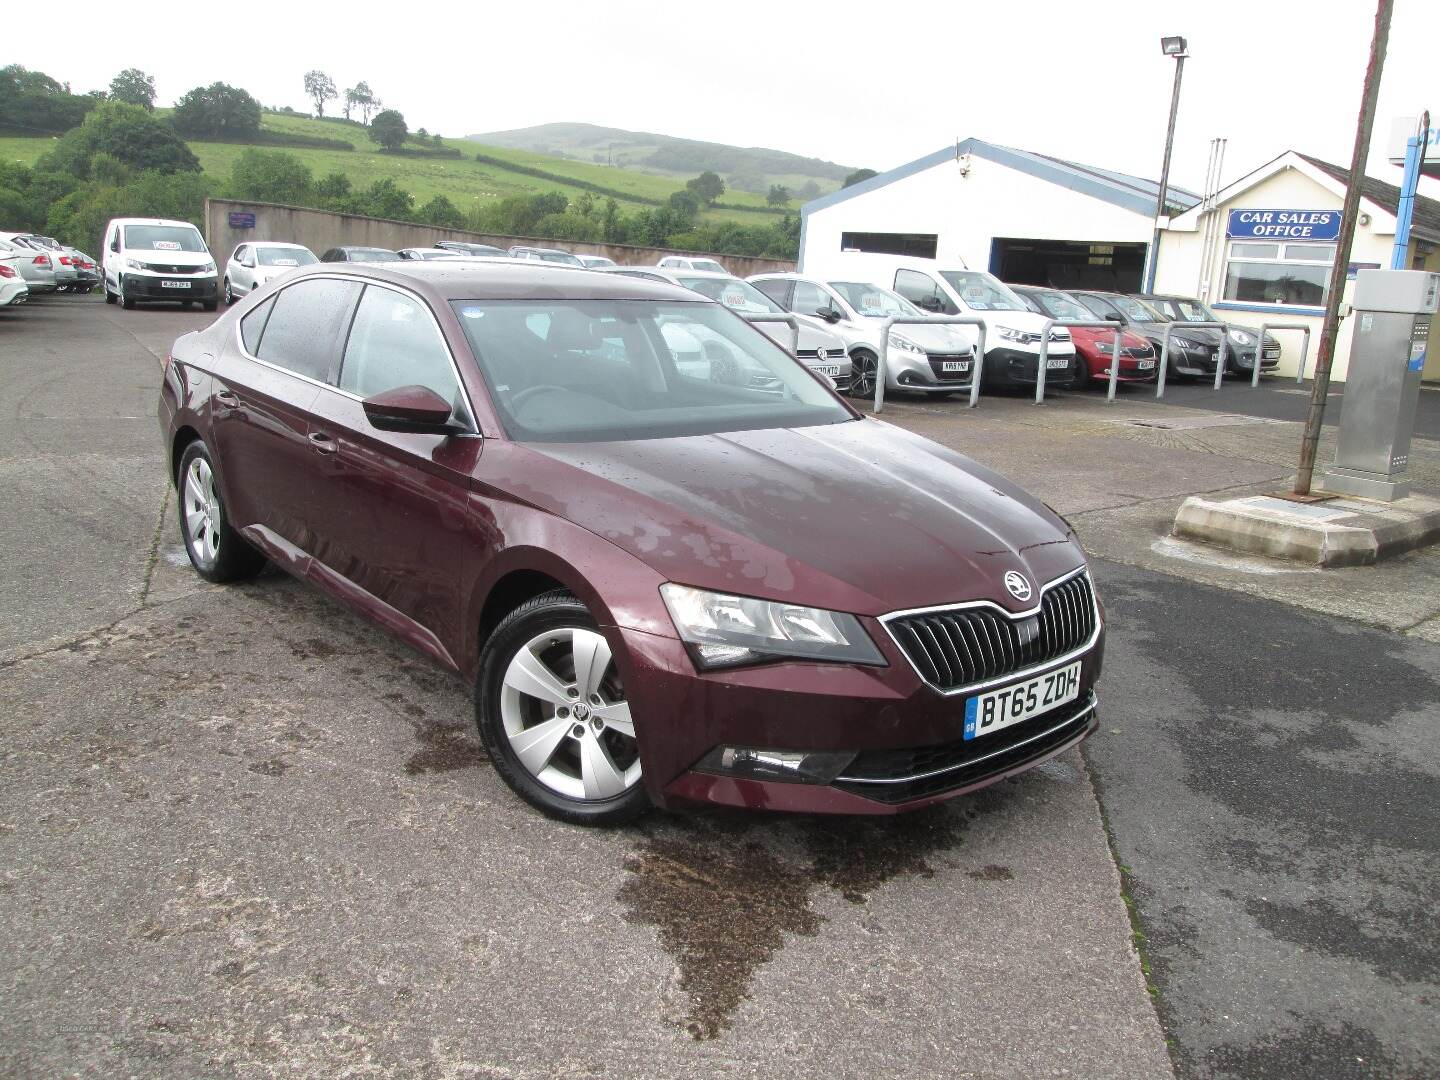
[[1310, 441]]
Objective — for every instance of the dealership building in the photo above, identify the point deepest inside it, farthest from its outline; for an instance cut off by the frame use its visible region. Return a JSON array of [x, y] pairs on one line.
[[1259, 250]]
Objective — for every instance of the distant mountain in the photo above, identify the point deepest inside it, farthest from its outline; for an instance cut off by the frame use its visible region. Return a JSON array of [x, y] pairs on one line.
[[746, 168]]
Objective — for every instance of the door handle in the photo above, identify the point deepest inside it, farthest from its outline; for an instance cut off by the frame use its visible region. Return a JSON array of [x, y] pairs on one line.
[[323, 443], [227, 399]]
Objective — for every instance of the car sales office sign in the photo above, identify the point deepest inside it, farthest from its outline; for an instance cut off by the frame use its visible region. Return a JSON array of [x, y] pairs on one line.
[[1283, 225]]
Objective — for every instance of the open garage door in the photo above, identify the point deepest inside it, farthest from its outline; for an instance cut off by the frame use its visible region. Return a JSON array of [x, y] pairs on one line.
[[1068, 264]]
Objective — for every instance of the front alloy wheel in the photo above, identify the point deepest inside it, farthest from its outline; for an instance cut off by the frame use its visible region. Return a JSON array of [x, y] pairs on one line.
[[552, 711], [863, 365]]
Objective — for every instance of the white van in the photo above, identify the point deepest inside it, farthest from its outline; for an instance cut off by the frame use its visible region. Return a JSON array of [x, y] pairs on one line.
[[1012, 331], [155, 259]]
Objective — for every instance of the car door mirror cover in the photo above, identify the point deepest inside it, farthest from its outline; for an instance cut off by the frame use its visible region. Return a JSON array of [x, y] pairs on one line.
[[417, 410]]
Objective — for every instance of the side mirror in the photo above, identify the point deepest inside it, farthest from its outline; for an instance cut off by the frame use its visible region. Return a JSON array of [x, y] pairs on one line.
[[829, 314], [417, 410], [930, 303]]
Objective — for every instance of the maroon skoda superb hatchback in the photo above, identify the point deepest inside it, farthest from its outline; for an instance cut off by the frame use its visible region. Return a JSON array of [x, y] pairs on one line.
[[676, 567]]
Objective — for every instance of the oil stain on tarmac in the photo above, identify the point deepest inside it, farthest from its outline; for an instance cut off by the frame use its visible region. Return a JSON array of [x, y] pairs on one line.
[[724, 891]]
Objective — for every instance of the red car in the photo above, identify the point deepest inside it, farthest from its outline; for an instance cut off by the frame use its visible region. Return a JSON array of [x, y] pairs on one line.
[[1137, 357], [672, 577]]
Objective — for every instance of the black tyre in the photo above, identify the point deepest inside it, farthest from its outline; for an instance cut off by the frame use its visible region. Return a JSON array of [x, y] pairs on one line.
[[552, 713], [217, 551], [126, 302], [229, 296], [863, 365], [109, 296]]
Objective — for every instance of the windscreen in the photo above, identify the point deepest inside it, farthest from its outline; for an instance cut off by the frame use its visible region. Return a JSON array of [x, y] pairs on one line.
[[278, 256], [373, 255], [1193, 311], [1136, 310], [562, 257], [872, 301], [735, 294], [981, 292], [624, 370], [707, 264], [163, 238]]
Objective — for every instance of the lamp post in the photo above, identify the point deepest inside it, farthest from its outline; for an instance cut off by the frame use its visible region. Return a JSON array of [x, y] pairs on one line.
[[1176, 47]]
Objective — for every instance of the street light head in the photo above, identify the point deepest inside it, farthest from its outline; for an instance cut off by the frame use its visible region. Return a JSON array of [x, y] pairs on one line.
[[1173, 46]]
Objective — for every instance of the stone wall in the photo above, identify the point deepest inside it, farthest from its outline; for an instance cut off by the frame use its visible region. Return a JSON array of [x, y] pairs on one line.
[[320, 230]]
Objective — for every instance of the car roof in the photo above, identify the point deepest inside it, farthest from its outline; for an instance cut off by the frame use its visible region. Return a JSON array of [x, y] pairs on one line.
[[713, 275], [275, 243], [150, 221], [503, 279]]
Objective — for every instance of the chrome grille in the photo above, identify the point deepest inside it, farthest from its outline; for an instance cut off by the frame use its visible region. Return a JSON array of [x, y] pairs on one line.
[[961, 646], [167, 268]]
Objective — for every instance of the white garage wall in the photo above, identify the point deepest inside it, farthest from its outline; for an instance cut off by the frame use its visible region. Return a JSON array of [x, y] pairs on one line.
[[966, 212]]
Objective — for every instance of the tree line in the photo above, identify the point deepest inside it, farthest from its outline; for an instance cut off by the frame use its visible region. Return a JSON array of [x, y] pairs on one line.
[[115, 158]]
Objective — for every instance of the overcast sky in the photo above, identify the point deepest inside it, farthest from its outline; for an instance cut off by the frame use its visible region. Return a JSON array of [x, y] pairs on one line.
[[863, 84]]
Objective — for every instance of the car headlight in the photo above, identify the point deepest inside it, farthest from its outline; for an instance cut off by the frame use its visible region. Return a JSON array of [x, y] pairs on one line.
[[1182, 343], [208, 268], [134, 264], [1240, 337], [723, 630], [1011, 334], [904, 344]]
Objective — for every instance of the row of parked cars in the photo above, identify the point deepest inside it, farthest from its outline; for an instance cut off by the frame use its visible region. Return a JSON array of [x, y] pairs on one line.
[[31, 265], [839, 314]]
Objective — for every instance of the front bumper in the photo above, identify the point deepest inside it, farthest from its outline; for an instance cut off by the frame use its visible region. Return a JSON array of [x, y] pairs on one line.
[[925, 373], [1130, 369], [1013, 367], [147, 287], [908, 738]]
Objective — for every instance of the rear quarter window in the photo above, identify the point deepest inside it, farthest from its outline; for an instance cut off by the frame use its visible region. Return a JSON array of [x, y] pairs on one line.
[[252, 326]]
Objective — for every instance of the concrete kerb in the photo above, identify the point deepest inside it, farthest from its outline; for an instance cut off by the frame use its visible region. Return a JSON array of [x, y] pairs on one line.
[[1336, 532]]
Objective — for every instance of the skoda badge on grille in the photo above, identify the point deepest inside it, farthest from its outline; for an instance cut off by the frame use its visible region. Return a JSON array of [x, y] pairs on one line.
[[1018, 586]]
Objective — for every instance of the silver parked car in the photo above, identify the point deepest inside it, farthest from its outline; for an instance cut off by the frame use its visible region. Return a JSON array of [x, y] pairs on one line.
[[549, 255], [65, 261], [35, 265], [252, 265], [691, 262], [424, 254], [923, 359], [816, 348]]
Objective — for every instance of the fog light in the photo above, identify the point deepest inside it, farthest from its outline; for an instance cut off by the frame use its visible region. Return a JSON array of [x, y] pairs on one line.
[[795, 766]]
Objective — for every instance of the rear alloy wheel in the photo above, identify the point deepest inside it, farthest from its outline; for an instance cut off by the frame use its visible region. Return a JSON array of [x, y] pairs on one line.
[[126, 302], [863, 365], [217, 551], [553, 714]]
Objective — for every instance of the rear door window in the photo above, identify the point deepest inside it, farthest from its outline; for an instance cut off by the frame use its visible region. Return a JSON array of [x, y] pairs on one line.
[[303, 329]]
